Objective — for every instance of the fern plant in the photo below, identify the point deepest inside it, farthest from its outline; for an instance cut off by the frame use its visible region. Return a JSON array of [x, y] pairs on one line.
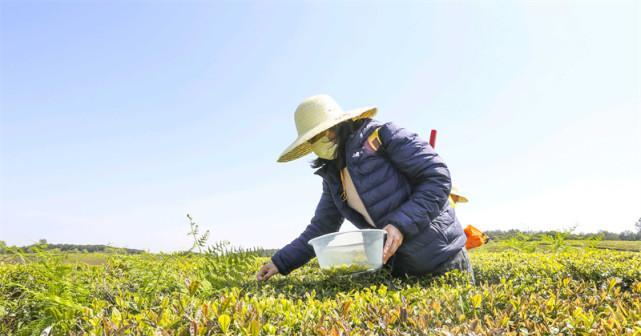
[[200, 241]]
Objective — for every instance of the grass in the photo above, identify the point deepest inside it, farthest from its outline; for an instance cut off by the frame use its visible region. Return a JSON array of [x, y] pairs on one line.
[[531, 246]]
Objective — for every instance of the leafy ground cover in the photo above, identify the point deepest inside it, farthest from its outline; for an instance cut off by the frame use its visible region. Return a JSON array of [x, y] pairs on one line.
[[566, 290]]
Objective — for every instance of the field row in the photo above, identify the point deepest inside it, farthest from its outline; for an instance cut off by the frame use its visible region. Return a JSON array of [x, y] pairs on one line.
[[572, 292]]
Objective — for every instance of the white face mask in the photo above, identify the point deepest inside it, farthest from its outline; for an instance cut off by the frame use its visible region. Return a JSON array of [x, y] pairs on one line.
[[324, 148]]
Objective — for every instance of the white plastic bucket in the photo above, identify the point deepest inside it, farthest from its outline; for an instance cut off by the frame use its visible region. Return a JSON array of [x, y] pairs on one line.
[[361, 248]]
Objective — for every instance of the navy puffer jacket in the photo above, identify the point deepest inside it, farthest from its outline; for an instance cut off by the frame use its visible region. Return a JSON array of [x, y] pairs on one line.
[[405, 183]]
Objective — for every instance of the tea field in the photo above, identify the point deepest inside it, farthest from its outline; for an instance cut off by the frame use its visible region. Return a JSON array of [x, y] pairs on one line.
[[572, 290]]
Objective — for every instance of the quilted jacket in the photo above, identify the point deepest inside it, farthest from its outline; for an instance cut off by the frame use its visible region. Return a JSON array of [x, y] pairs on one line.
[[404, 183]]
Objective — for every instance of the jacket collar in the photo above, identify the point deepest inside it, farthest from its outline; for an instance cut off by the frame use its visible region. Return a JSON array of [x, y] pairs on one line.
[[355, 139]]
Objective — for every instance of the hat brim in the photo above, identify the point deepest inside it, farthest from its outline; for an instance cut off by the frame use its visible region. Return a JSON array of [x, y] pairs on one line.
[[459, 198], [301, 147]]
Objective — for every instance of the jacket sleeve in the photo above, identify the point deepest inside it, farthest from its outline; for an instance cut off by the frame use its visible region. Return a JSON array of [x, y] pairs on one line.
[[327, 219], [426, 172]]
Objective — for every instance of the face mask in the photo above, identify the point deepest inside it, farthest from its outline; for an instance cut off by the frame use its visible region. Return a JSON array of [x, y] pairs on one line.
[[324, 148]]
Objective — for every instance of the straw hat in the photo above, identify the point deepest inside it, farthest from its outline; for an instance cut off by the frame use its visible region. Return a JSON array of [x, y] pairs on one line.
[[315, 115], [457, 196]]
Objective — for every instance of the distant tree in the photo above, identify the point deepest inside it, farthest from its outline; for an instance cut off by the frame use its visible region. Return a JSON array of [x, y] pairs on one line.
[[637, 225], [42, 241], [541, 235], [79, 248], [627, 235]]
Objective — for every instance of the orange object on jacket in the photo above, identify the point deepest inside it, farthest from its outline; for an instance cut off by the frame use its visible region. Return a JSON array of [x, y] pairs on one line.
[[475, 237]]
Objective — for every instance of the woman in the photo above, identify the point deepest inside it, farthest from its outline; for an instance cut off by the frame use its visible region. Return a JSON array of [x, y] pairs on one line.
[[376, 175]]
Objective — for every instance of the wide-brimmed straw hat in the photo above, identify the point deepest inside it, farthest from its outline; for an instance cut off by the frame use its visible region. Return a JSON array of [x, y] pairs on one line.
[[315, 115], [457, 196]]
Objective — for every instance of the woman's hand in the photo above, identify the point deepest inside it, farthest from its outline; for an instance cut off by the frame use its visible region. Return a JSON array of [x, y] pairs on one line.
[[266, 271], [393, 242]]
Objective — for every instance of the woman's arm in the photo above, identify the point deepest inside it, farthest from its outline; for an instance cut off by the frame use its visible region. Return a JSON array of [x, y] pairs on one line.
[[427, 173], [326, 219]]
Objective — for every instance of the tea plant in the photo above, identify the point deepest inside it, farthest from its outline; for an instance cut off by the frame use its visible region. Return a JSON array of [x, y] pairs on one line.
[[576, 291]]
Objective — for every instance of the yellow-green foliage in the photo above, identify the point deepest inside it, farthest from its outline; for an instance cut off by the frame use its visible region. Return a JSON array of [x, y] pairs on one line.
[[574, 291]]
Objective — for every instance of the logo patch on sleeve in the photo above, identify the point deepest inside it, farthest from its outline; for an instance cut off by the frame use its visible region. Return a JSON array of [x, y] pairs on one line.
[[373, 142]]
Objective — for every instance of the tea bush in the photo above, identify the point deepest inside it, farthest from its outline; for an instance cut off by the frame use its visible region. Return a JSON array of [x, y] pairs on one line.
[[569, 291]]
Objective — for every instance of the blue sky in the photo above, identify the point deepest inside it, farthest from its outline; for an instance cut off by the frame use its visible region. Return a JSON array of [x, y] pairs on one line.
[[119, 117]]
